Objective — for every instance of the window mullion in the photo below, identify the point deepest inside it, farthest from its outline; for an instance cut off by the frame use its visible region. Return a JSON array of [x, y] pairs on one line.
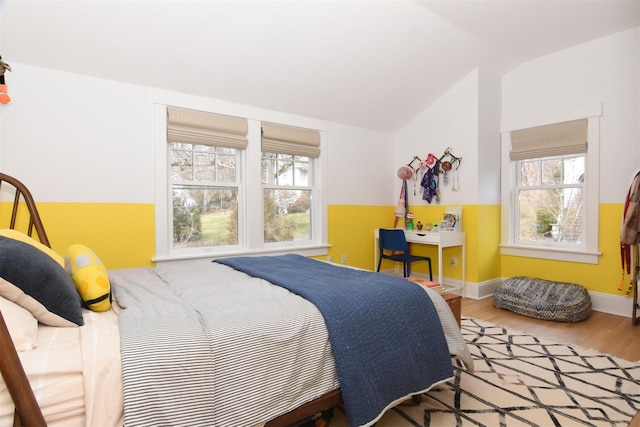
[[252, 190]]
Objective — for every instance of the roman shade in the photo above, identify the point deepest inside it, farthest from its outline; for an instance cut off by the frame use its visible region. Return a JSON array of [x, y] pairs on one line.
[[550, 140], [199, 127], [281, 139]]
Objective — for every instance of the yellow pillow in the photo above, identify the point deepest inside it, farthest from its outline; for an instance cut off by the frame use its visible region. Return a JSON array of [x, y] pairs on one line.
[[18, 235], [90, 277]]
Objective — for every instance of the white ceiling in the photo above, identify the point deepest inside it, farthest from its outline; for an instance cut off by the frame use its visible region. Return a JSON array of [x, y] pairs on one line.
[[372, 64]]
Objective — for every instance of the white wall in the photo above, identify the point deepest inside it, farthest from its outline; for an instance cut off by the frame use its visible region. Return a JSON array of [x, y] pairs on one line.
[[467, 117], [489, 117], [359, 166], [452, 121], [73, 138], [76, 139], [603, 71]]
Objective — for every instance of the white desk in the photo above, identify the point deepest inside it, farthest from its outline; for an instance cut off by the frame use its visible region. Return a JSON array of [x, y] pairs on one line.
[[441, 239]]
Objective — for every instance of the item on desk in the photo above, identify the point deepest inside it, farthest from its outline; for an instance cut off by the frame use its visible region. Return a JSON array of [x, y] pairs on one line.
[[450, 222], [428, 226], [409, 221], [419, 225], [435, 226]]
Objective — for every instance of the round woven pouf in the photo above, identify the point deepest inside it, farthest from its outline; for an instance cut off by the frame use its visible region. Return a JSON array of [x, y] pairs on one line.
[[543, 299]]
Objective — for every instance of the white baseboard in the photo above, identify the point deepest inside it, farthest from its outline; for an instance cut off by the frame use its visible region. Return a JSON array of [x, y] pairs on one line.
[[619, 305]]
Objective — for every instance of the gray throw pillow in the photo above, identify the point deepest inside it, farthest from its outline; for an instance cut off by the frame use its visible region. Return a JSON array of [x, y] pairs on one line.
[[30, 274]]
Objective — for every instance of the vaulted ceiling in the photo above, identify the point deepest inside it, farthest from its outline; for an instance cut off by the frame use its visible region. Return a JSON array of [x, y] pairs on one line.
[[372, 64]]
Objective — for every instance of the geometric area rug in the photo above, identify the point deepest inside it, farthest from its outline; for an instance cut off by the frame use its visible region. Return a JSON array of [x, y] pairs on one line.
[[521, 380]]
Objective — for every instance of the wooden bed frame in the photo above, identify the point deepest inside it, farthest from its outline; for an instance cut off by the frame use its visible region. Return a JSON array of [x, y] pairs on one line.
[[27, 411]]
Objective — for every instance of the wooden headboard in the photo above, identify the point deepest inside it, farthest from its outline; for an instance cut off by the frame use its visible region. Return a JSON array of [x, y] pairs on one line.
[[28, 412], [21, 192]]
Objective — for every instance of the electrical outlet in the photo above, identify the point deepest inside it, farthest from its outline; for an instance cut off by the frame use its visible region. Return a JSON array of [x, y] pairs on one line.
[[330, 258], [454, 261], [344, 258]]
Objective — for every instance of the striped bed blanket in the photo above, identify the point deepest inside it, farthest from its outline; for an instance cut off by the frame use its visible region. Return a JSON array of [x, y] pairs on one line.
[[205, 344], [385, 333]]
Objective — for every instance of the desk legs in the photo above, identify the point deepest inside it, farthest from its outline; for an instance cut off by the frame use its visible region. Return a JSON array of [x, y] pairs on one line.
[[440, 264], [440, 247], [464, 271]]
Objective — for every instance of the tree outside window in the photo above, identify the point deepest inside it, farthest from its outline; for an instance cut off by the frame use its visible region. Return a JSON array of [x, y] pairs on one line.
[[550, 200], [205, 205], [286, 197]]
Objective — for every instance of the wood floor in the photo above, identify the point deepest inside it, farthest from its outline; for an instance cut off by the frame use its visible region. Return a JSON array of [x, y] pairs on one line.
[[606, 333]]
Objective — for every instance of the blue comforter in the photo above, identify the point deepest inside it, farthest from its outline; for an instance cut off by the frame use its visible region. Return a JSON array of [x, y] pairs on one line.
[[385, 334]]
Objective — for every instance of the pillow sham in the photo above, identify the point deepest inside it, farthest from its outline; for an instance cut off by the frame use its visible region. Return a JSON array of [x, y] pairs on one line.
[[36, 282], [22, 326], [23, 237]]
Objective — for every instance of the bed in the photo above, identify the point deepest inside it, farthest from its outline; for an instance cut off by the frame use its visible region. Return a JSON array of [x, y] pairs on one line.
[[238, 341]]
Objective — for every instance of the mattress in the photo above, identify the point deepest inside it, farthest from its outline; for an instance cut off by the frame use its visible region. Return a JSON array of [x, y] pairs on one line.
[[258, 328], [271, 348], [75, 374]]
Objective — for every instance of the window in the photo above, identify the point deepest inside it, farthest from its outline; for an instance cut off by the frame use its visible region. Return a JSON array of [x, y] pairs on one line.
[[204, 154], [205, 195], [550, 190], [228, 185], [549, 195], [288, 156]]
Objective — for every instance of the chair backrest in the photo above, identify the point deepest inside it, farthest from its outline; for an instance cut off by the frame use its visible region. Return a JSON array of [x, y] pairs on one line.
[[392, 240]]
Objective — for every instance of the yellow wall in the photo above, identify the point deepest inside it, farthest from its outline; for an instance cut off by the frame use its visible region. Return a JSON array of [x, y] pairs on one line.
[[602, 277], [351, 232], [123, 236], [484, 244]]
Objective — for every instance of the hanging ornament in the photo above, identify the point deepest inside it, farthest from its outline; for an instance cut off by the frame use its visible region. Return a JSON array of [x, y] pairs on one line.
[[405, 172], [4, 98], [430, 180], [446, 167]]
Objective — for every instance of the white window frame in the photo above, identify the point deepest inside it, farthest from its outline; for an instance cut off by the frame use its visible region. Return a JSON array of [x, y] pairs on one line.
[[588, 253], [212, 185], [313, 190], [250, 219], [519, 189]]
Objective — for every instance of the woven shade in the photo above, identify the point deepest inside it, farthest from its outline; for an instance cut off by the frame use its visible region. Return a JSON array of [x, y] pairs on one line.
[[557, 139], [198, 127], [289, 140]]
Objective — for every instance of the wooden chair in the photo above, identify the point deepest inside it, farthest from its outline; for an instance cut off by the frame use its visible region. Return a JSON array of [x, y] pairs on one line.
[[391, 242]]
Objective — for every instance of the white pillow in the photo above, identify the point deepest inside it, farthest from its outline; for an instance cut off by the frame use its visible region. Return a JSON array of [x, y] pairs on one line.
[[22, 326]]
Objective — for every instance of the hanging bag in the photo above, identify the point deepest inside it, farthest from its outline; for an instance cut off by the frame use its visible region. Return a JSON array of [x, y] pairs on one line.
[[401, 208]]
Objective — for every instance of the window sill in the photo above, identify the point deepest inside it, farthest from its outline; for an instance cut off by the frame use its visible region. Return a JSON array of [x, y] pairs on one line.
[[555, 254]]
